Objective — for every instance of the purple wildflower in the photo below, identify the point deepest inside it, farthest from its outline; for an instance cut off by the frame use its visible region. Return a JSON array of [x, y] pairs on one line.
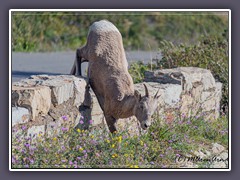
[[63, 148], [94, 142], [178, 155], [63, 160], [90, 121], [31, 161], [27, 145], [23, 151], [70, 163], [75, 166], [14, 160], [180, 122], [64, 129], [161, 155], [170, 141], [152, 163], [26, 166], [46, 150], [81, 122], [183, 115], [64, 118], [24, 128], [78, 158]]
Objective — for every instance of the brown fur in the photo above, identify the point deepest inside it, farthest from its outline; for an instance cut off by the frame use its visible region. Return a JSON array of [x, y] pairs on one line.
[[109, 78]]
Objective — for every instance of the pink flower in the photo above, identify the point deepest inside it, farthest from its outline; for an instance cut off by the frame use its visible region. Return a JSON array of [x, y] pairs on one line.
[[90, 121], [81, 122]]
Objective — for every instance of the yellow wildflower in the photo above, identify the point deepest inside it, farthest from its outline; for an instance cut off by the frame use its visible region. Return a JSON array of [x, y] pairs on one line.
[[141, 143], [80, 149], [54, 138], [136, 166], [120, 139], [113, 145], [78, 130], [83, 131], [92, 136], [126, 155], [114, 155], [107, 141]]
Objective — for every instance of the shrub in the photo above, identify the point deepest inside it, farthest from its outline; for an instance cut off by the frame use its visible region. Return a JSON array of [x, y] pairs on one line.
[[54, 31], [210, 53]]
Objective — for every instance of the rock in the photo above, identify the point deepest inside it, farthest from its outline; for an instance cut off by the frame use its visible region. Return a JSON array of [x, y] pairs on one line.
[[223, 155], [217, 148], [79, 90], [54, 127], [61, 87], [129, 125], [183, 91], [188, 77], [36, 130], [216, 164], [20, 115], [97, 113], [208, 153], [198, 91], [36, 99], [200, 154]]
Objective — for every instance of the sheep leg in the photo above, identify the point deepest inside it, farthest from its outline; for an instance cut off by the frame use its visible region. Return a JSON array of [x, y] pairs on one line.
[[76, 69], [78, 61], [73, 70], [111, 122]]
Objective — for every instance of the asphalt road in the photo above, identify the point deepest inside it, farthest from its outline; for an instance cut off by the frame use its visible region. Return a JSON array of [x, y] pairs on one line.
[[56, 63]]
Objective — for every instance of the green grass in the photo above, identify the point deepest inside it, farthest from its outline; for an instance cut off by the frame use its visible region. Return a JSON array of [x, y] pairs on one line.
[[56, 31], [157, 148]]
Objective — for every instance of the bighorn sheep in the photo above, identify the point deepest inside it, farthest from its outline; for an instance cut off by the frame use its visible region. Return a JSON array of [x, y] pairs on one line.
[[109, 78]]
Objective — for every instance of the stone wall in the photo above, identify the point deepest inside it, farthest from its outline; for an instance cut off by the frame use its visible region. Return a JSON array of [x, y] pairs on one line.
[[42, 102]]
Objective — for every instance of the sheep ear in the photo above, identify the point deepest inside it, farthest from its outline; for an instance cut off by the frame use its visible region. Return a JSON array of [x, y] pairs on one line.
[[137, 95]]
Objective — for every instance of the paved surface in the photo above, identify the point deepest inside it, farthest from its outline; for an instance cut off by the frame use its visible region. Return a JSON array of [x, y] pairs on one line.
[[55, 63]]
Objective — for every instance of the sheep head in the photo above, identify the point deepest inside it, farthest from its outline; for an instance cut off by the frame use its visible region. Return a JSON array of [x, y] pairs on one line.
[[145, 107]]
